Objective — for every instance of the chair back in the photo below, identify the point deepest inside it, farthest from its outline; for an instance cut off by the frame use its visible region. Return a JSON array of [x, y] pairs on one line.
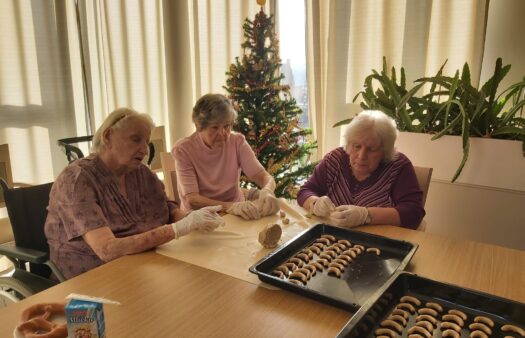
[[5, 169], [74, 153], [27, 210], [158, 140], [423, 175], [170, 176]]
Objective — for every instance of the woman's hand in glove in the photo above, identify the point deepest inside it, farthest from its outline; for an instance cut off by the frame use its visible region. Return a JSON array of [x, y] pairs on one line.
[[349, 216], [205, 219], [323, 206], [246, 209]]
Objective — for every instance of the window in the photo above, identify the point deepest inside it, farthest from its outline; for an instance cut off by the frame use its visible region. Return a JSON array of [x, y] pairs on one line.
[[292, 37]]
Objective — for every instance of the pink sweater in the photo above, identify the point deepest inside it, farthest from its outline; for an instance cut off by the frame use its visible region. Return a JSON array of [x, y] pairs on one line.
[[213, 172]]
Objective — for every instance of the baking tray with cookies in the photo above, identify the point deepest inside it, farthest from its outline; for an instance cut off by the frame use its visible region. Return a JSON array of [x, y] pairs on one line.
[[413, 306], [341, 267]]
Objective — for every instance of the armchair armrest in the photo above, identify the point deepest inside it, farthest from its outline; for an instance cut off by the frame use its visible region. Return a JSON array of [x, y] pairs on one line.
[[10, 250]]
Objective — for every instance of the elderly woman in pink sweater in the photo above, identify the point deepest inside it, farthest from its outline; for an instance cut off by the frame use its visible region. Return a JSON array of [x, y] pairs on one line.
[[209, 164]]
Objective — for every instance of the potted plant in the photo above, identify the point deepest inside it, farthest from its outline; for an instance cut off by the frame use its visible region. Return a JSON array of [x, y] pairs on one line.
[[451, 107]]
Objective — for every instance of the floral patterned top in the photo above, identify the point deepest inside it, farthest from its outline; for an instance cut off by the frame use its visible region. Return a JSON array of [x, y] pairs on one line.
[[85, 197]]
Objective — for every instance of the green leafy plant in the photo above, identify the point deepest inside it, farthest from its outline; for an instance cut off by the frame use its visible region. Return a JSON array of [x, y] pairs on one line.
[[452, 106]]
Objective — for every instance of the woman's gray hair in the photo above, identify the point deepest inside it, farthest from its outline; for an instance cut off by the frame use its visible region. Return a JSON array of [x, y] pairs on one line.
[[118, 119], [376, 123], [212, 108]]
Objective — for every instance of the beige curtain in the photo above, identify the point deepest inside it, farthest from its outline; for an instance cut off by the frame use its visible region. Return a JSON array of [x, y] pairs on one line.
[[159, 56], [40, 96], [347, 39]]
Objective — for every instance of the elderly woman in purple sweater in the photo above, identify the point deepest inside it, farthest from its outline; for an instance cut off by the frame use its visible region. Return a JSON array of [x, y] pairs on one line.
[[366, 181]]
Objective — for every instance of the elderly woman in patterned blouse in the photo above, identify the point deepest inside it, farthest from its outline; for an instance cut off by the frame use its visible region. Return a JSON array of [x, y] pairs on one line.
[[110, 204], [366, 181]]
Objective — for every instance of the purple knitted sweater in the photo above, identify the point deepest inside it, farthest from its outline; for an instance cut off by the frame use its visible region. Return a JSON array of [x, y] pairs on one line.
[[393, 184]]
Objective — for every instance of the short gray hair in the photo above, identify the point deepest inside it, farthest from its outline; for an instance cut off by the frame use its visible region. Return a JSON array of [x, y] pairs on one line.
[[212, 108], [373, 122], [118, 119]]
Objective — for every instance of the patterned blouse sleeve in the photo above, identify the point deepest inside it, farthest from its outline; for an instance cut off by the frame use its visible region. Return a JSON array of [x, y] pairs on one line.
[[75, 200], [316, 185]]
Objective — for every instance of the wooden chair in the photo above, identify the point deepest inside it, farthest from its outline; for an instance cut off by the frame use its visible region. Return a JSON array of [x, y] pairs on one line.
[[423, 175], [5, 169], [158, 139], [170, 176]]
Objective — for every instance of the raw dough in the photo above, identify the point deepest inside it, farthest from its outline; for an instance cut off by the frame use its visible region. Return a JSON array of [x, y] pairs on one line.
[[270, 235]]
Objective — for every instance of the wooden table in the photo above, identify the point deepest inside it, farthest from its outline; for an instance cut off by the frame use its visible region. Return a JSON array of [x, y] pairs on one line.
[[163, 297]]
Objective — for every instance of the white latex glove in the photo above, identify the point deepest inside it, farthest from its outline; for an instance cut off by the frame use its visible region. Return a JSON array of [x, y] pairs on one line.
[[323, 206], [349, 216], [205, 219], [246, 209], [267, 204]]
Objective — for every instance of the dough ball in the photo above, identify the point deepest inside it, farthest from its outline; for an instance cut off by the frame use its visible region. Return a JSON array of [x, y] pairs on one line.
[[270, 235]]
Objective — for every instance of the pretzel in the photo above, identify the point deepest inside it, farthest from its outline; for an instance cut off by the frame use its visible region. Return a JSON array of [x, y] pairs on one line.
[[376, 250], [513, 328], [385, 331], [329, 237], [428, 318], [392, 324], [484, 320], [434, 306], [399, 319], [450, 325], [41, 328], [410, 299], [407, 306], [428, 311], [43, 311], [334, 271], [480, 327], [453, 318], [296, 261], [450, 333], [461, 314], [420, 330], [478, 334]]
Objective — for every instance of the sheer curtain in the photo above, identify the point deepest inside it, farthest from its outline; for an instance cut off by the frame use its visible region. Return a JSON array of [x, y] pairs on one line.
[[40, 95], [156, 56], [347, 39]]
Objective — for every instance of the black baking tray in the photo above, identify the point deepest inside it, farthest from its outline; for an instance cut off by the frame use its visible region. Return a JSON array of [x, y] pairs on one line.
[[361, 279], [473, 303]]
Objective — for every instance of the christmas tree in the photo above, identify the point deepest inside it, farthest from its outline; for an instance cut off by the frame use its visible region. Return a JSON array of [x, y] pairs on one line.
[[268, 115]]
